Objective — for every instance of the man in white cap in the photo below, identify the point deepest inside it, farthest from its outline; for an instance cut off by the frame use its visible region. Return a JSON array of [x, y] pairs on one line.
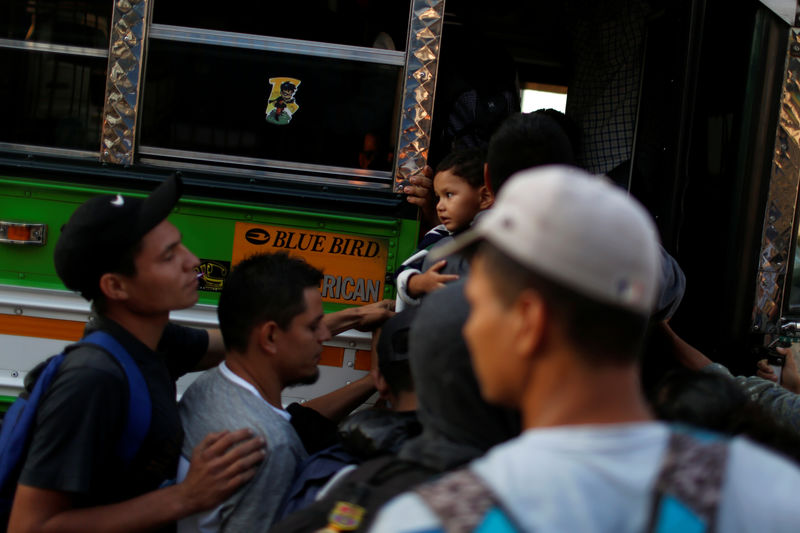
[[563, 279]]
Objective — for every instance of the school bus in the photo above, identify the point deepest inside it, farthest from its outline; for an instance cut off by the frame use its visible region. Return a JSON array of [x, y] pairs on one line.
[[295, 127]]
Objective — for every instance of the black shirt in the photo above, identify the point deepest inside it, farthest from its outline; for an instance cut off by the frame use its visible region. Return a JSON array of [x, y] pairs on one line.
[[82, 415]]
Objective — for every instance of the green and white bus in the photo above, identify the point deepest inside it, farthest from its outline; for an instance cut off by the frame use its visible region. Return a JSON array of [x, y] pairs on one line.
[[296, 125]]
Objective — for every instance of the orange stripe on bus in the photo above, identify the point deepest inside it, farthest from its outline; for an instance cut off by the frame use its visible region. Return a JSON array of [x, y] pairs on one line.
[[45, 328], [363, 360], [331, 356]]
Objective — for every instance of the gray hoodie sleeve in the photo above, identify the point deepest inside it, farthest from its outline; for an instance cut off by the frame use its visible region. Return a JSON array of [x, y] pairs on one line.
[[783, 404]]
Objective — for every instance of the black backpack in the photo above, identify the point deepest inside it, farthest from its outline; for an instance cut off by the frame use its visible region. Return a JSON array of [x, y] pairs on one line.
[[352, 503]]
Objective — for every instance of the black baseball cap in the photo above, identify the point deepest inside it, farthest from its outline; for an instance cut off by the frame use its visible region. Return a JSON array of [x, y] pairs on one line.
[[393, 340], [100, 232]]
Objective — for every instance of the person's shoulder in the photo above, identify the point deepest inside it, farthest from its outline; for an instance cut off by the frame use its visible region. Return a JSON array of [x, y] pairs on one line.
[[746, 454], [209, 404], [205, 390], [277, 428], [547, 453], [213, 400], [88, 380], [433, 237], [91, 363], [407, 512], [759, 491]]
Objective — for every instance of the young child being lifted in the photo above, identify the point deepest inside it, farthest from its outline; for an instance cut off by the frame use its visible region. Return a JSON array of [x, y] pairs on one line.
[[461, 194]]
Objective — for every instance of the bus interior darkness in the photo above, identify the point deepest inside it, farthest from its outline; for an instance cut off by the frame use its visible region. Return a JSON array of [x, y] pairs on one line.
[[706, 109]]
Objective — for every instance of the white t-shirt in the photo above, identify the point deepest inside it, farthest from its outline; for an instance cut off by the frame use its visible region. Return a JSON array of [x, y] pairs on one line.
[[600, 479]]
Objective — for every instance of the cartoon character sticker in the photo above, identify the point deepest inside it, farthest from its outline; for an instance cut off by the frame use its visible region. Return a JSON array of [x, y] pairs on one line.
[[211, 274], [281, 105]]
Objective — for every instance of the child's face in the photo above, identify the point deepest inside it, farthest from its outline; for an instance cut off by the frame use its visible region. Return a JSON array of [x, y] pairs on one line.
[[459, 201]]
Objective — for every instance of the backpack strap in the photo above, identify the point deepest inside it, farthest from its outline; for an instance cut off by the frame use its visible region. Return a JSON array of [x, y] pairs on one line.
[[18, 424], [464, 504], [689, 485], [139, 404]]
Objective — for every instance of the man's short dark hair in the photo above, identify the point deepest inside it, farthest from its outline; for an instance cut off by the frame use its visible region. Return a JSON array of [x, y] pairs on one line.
[[569, 126], [526, 140], [398, 376], [602, 333], [466, 164], [261, 288]]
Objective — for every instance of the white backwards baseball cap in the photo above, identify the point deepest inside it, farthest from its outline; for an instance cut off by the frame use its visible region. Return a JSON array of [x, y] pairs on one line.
[[576, 229]]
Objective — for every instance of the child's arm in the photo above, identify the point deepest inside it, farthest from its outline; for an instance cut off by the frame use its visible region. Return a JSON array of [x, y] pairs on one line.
[[431, 280], [405, 299], [411, 266]]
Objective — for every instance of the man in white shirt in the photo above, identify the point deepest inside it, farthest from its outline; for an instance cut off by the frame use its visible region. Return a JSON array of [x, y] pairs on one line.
[[271, 318], [563, 279]]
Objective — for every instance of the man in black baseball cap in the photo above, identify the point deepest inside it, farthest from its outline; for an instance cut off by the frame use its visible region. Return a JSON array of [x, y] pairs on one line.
[[121, 253], [102, 233]]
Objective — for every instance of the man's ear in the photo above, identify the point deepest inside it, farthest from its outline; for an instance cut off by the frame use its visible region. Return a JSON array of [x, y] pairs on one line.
[[532, 319], [113, 286], [265, 335], [485, 197], [487, 179], [381, 385]]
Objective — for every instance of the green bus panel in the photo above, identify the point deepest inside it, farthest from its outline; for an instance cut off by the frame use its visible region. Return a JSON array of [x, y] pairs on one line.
[[208, 227]]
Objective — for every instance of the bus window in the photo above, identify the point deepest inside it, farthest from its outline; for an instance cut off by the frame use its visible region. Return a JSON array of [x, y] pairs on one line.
[[365, 23], [82, 24], [54, 55], [58, 99], [275, 96], [233, 111]]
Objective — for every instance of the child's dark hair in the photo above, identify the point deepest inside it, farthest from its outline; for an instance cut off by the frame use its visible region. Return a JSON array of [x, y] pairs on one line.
[[466, 164]]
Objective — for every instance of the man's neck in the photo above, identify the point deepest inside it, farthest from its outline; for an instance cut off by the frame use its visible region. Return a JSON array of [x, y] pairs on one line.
[[564, 391], [148, 329], [258, 375], [404, 401]]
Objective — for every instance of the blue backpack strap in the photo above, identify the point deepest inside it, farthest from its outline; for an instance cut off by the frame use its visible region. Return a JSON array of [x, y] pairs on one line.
[[464, 503], [18, 424], [139, 405], [689, 484]]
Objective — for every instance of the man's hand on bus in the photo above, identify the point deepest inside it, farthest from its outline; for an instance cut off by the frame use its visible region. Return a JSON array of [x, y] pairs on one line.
[[431, 280], [220, 464], [373, 315], [420, 193], [790, 377], [363, 318]]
